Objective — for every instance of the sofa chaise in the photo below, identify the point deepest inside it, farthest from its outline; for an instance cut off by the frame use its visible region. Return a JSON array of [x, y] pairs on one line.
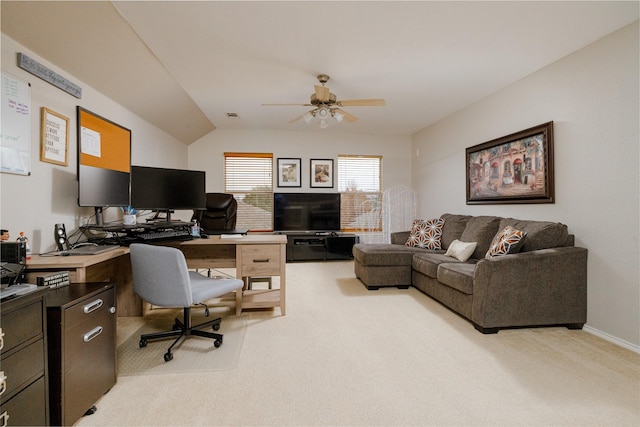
[[538, 279]]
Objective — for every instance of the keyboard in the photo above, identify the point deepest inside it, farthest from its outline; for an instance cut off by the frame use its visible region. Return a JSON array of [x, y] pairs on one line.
[[163, 236]]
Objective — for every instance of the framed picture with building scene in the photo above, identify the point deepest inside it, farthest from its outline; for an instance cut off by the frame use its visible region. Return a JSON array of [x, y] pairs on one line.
[[516, 168]]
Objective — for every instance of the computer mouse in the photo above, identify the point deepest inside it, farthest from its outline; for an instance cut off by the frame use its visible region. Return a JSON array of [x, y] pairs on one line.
[[65, 254], [204, 236]]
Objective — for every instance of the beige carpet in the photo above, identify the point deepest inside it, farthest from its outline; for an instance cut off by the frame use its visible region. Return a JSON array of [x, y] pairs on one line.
[[347, 356], [195, 354]]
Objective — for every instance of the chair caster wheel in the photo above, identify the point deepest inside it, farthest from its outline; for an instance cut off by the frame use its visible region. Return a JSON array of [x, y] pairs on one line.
[[143, 343], [216, 327], [217, 343], [168, 356]]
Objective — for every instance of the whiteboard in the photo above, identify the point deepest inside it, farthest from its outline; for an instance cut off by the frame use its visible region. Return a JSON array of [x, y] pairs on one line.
[[15, 133]]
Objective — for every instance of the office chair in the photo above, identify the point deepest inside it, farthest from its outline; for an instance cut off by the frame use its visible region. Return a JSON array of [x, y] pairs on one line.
[[220, 214], [161, 277]]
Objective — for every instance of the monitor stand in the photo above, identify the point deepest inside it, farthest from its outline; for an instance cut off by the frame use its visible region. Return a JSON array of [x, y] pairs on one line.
[[99, 217]]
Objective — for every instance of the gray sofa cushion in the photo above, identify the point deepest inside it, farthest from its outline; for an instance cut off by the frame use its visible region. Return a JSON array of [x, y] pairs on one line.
[[480, 229], [457, 275], [427, 263], [384, 254], [540, 234], [453, 227]]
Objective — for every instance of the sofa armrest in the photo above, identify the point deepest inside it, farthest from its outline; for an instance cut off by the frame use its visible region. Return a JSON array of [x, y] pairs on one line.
[[543, 287], [400, 237]]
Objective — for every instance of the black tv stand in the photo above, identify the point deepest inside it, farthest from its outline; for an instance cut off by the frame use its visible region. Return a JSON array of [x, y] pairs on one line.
[[320, 246]]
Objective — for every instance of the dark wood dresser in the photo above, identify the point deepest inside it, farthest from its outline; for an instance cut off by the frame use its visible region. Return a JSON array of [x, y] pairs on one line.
[[81, 324], [23, 348]]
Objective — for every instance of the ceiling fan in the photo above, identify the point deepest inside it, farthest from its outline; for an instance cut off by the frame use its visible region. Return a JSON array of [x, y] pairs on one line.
[[327, 105]]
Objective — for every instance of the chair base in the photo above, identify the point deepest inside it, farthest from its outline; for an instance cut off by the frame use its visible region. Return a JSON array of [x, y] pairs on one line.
[[183, 329]]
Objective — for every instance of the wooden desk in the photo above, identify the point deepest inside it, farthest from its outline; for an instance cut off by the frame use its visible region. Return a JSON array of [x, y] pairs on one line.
[[250, 255], [113, 266]]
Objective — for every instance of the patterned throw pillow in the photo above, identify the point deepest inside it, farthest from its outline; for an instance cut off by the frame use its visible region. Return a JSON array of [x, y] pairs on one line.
[[507, 241], [426, 234]]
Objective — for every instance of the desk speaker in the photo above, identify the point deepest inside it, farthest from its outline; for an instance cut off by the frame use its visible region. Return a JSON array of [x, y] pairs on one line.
[[60, 236]]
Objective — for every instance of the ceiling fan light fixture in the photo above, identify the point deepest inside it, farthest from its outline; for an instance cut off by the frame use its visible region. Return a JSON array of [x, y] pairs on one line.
[[323, 123], [323, 113], [308, 116], [337, 115]]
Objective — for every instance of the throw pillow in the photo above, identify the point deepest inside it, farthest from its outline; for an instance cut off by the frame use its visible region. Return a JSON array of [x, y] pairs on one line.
[[426, 234], [461, 250], [507, 241]]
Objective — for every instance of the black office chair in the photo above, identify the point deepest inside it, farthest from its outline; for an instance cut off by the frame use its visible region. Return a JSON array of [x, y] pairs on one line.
[[220, 215], [161, 277]]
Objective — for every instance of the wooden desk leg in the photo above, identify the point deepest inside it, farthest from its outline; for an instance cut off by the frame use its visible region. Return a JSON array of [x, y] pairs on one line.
[[238, 301]]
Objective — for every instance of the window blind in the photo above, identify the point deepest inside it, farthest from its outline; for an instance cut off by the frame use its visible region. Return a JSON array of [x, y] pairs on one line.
[[359, 184], [249, 177]]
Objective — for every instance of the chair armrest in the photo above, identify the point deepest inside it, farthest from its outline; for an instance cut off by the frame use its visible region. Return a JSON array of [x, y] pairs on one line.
[[543, 287]]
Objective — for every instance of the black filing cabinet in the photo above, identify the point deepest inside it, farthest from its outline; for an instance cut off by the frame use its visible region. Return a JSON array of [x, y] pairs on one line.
[[81, 325], [23, 365]]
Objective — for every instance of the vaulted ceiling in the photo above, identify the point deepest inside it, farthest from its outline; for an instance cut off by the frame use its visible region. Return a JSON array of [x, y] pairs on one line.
[[184, 65]]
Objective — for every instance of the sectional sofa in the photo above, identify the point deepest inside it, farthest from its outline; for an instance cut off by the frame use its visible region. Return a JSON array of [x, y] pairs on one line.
[[495, 272]]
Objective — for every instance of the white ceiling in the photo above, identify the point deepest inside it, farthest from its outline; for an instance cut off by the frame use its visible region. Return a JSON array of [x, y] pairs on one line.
[[183, 65]]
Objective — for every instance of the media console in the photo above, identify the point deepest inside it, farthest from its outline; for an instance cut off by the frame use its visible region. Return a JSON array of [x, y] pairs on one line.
[[320, 246]]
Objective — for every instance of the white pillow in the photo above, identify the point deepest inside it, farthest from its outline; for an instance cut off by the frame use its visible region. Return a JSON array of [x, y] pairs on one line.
[[461, 250]]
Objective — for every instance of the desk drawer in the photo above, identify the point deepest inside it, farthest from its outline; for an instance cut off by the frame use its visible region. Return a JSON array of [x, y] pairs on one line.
[[89, 308], [22, 325], [29, 408], [260, 260], [22, 367]]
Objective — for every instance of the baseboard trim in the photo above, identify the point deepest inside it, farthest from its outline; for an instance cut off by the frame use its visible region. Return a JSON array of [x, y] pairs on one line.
[[612, 339]]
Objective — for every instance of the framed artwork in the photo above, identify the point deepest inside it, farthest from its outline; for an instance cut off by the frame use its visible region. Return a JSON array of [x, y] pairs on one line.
[[54, 138], [322, 173], [516, 168], [289, 172]]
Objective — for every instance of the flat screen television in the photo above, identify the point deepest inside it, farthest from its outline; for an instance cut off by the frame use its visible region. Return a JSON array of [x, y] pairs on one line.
[[315, 212], [165, 190]]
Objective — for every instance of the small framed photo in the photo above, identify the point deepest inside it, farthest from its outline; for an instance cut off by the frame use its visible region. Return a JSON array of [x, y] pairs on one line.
[[289, 173], [322, 173], [54, 138]]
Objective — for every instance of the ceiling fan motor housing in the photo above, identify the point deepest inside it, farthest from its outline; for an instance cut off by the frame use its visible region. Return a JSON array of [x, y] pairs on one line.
[[315, 101]]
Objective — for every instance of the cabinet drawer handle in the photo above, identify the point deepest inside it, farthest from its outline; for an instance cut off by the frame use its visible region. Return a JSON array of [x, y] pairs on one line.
[[4, 418], [92, 306], [92, 334], [261, 260], [3, 382], [1, 339]]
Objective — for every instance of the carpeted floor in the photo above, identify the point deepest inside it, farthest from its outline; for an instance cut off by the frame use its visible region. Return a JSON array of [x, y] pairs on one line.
[[347, 356], [194, 354]]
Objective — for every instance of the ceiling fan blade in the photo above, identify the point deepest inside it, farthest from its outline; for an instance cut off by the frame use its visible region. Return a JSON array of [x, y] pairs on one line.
[[347, 116], [295, 120], [322, 93], [284, 105], [362, 103]]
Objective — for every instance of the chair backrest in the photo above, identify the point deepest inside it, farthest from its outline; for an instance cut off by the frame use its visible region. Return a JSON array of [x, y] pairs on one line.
[[221, 212], [160, 275]]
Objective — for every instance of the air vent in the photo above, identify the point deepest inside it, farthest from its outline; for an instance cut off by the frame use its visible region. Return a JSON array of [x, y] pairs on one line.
[[232, 116]]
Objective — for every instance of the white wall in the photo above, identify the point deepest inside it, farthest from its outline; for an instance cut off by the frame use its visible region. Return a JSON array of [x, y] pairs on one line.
[[208, 153], [35, 203], [592, 97]]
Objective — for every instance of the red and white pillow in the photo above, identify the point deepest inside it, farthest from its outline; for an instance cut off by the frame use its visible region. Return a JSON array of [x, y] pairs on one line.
[[507, 241], [426, 234]]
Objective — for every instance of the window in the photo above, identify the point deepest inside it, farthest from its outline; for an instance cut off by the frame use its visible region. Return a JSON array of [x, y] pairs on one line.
[[360, 183], [249, 177]]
